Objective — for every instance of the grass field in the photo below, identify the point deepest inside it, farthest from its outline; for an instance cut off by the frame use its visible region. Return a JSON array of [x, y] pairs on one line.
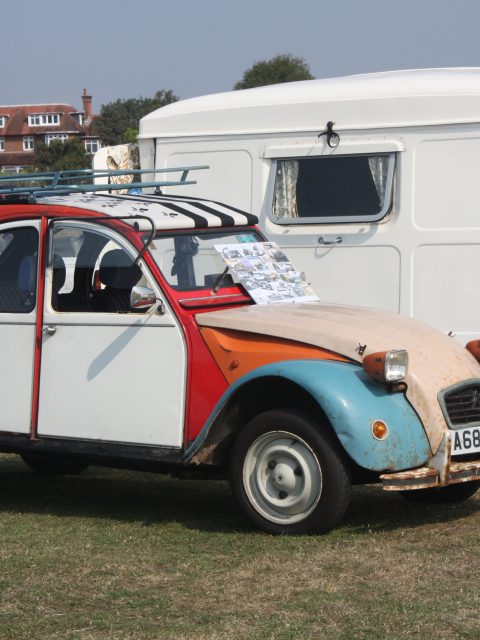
[[112, 554]]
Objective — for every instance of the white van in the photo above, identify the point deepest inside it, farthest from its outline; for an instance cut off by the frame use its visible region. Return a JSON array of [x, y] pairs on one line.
[[371, 182]]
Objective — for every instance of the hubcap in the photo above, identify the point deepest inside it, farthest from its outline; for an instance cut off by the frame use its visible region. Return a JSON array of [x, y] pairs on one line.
[[282, 477]]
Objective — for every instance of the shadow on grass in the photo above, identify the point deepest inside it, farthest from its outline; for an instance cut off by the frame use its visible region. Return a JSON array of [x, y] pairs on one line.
[[374, 510], [124, 496], [204, 505]]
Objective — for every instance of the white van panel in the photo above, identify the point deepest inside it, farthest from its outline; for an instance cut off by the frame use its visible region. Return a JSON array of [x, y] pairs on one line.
[[359, 275], [231, 168], [445, 291], [447, 184]]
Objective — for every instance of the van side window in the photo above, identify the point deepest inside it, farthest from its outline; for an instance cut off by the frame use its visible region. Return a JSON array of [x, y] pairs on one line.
[[333, 188], [18, 270]]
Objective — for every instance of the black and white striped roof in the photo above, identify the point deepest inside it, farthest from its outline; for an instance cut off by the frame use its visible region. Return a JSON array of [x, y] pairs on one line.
[[167, 212]]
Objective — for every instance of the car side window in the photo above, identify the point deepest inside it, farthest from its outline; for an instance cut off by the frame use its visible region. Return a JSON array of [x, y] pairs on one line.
[[91, 273], [18, 270]]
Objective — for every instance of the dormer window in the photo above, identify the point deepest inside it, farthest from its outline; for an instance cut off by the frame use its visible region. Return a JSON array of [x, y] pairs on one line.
[[3, 121], [43, 119]]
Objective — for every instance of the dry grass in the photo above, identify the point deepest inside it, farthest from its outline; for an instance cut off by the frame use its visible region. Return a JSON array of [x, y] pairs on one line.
[[122, 555]]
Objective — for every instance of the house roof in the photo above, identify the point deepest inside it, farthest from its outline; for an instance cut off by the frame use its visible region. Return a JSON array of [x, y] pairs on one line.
[[18, 159], [17, 120]]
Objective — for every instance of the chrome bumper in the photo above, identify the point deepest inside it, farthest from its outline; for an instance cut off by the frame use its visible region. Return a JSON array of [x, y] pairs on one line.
[[440, 472], [426, 477]]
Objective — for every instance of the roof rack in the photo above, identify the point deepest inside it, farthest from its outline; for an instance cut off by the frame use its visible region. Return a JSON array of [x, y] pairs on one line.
[[29, 186]]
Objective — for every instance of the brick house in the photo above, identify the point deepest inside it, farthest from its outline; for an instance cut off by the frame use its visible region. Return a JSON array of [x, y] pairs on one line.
[[23, 126]]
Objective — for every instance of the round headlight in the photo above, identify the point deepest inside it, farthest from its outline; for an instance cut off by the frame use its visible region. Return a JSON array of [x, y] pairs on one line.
[[387, 366]]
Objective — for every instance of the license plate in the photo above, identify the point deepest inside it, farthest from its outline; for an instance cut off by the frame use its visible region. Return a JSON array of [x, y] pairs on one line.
[[466, 440]]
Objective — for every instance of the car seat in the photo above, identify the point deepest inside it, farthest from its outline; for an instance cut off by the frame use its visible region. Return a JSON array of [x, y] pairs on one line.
[[119, 275]]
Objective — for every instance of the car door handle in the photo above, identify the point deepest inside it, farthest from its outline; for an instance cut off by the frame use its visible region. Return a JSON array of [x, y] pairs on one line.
[[49, 330], [337, 240]]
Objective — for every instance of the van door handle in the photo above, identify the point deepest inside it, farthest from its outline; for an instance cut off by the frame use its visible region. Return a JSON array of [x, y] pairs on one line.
[[337, 240], [49, 330]]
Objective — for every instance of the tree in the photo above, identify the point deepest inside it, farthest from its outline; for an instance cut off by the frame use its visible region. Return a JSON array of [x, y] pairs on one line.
[[117, 119], [130, 135], [283, 68], [60, 156]]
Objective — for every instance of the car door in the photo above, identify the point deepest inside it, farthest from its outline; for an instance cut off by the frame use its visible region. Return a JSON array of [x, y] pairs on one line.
[[18, 316], [107, 373]]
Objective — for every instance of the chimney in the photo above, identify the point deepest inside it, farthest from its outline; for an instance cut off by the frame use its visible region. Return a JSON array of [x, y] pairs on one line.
[[87, 105]]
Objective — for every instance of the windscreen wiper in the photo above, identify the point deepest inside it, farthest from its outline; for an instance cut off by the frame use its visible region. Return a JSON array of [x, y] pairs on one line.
[[219, 281]]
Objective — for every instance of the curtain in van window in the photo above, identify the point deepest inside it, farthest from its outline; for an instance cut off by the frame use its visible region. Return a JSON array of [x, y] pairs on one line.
[[285, 196], [379, 168], [350, 185]]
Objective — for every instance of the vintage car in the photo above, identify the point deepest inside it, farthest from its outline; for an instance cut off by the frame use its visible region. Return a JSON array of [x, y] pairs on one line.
[[125, 343]]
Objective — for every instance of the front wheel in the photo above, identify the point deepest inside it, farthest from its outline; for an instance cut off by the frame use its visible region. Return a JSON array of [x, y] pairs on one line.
[[287, 475]]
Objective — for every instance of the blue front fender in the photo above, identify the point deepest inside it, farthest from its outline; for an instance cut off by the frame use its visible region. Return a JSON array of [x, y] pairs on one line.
[[352, 401]]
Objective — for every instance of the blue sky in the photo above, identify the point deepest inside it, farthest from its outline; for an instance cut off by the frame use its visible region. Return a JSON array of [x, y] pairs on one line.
[[51, 50]]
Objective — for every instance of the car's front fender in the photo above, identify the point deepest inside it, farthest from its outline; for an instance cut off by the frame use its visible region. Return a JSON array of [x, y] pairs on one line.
[[351, 401]]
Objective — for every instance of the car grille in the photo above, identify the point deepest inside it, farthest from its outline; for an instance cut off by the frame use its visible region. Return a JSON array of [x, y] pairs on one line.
[[462, 405]]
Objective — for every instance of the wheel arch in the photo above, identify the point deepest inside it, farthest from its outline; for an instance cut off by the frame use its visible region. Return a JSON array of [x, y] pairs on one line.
[[253, 397], [346, 401]]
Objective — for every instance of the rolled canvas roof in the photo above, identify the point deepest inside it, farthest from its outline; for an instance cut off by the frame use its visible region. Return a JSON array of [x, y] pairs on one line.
[[167, 212]]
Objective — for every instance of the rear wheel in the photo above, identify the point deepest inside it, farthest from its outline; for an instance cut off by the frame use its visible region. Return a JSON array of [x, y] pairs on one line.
[[453, 493], [49, 464], [287, 476]]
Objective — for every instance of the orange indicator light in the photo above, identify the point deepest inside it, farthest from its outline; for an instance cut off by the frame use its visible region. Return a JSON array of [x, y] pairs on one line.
[[379, 430]]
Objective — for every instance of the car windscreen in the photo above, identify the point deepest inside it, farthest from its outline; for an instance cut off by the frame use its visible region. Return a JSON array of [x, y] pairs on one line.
[[189, 260]]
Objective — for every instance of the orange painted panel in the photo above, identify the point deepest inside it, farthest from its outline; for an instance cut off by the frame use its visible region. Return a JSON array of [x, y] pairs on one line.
[[238, 352]]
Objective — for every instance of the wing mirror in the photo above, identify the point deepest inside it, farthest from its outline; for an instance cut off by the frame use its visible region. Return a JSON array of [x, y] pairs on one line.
[[145, 298]]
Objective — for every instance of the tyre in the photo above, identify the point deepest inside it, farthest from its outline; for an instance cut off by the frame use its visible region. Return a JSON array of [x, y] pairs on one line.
[[287, 475], [453, 493], [50, 464]]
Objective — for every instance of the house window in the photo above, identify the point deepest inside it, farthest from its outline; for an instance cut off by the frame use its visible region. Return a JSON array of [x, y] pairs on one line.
[[3, 121], [28, 143], [43, 119], [56, 136], [333, 189], [2, 144], [92, 146]]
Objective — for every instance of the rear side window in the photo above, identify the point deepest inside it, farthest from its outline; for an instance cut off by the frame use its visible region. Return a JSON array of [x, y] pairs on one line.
[[18, 270], [333, 189]]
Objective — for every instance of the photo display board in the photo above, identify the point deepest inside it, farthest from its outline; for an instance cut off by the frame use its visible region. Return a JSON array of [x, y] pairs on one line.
[[266, 272]]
